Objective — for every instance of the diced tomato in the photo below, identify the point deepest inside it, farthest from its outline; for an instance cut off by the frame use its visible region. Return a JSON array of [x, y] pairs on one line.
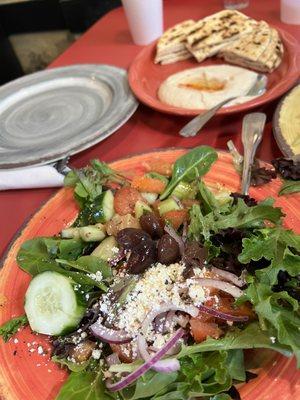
[[225, 305], [147, 184], [125, 199], [159, 166], [124, 352], [188, 203], [202, 330], [175, 217]]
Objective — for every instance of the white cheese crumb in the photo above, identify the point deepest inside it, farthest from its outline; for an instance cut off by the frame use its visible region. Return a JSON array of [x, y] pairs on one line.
[[96, 354], [40, 350], [97, 277], [16, 341], [273, 339]]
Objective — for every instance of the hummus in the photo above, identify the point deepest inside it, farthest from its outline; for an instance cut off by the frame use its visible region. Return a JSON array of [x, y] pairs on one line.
[[289, 120], [205, 87]]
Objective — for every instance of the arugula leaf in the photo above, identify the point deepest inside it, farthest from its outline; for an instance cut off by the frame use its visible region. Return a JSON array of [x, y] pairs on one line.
[[191, 166], [84, 385], [200, 225], [9, 328], [221, 396], [251, 337], [88, 181], [243, 216], [289, 186], [208, 201]]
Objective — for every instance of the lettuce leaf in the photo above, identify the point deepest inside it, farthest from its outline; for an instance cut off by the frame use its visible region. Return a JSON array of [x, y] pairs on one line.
[[11, 327]]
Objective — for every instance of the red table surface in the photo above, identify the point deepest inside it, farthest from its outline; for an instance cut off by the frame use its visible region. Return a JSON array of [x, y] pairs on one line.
[[109, 42]]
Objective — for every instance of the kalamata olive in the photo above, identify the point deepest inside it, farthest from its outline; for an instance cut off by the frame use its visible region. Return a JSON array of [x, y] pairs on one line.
[[129, 238], [142, 257], [152, 224], [167, 250]]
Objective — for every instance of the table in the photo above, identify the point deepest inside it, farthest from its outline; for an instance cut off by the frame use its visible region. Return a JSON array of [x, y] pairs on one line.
[[109, 41]]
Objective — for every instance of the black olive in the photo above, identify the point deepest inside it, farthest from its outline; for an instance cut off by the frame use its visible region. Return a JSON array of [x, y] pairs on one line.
[[152, 224], [142, 257], [167, 250], [129, 238]]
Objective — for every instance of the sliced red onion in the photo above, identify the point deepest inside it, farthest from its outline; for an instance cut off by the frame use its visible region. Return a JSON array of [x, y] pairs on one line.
[[133, 376], [191, 310], [171, 231], [118, 257], [184, 231], [228, 276], [109, 335], [113, 359], [220, 285], [222, 315], [177, 201], [168, 365]]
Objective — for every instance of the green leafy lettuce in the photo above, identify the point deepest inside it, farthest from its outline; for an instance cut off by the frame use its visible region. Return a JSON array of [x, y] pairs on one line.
[[11, 327], [191, 166], [63, 256]]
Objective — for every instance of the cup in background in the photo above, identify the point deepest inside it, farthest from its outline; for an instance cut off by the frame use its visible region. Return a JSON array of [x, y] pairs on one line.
[[290, 11], [145, 19], [235, 4]]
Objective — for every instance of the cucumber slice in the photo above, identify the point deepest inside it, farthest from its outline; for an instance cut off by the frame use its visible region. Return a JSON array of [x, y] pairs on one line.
[[106, 249], [149, 197], [140, 208], [51, 304], [92, 233], [104, 207], [184, 191], [168, 205]]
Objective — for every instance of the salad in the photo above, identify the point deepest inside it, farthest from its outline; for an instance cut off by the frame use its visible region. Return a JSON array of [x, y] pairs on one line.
[[161, 284]]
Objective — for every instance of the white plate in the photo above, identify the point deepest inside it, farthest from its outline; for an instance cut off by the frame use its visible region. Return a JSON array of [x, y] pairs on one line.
[[59, 112]]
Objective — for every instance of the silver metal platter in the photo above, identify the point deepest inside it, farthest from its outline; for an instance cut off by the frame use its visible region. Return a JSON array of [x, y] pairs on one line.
[[58, 112]]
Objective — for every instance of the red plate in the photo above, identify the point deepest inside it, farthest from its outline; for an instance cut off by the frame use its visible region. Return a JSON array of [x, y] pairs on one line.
[[27, 375], [145, 77]]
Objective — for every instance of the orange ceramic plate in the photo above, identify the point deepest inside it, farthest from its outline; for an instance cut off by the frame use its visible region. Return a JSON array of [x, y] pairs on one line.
[[27, 375], [145, 77]]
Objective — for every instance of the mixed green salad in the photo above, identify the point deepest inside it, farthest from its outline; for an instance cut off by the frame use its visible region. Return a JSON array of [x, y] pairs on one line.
[[161, 284]]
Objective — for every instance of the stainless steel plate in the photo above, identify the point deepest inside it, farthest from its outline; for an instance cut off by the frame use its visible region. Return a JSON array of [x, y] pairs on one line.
[[59, 112]]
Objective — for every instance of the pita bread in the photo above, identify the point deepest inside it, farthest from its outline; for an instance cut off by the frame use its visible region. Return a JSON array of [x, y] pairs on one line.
[[261, 50], [171, 45], [212, 33]]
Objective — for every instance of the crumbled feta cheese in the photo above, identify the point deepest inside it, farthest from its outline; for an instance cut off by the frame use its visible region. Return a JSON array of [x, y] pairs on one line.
[[16, 341], [96, 354], [196, 292], [273, 339], [83, 335], [97, 277], [40, 350]]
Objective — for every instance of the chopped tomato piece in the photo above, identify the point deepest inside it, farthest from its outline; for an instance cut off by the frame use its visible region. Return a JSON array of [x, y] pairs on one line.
[[175, 217], [202, 330], [188, 203], [147, 184], [125, 199], [225, 305], [159, 166]]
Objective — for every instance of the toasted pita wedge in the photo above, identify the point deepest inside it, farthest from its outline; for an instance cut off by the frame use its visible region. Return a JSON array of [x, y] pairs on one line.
[[261, 50], [215, 31], [171, 45]]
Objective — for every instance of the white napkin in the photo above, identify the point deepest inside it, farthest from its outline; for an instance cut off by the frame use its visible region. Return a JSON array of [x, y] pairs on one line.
[[30, 177]]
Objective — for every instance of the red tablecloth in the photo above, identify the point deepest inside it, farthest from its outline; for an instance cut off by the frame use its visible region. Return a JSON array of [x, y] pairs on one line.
[[109, 41]]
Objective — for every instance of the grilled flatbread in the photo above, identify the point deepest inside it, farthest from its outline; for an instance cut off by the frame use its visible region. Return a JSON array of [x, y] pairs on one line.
[[212, 33], [171, 45], [261, 50]]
